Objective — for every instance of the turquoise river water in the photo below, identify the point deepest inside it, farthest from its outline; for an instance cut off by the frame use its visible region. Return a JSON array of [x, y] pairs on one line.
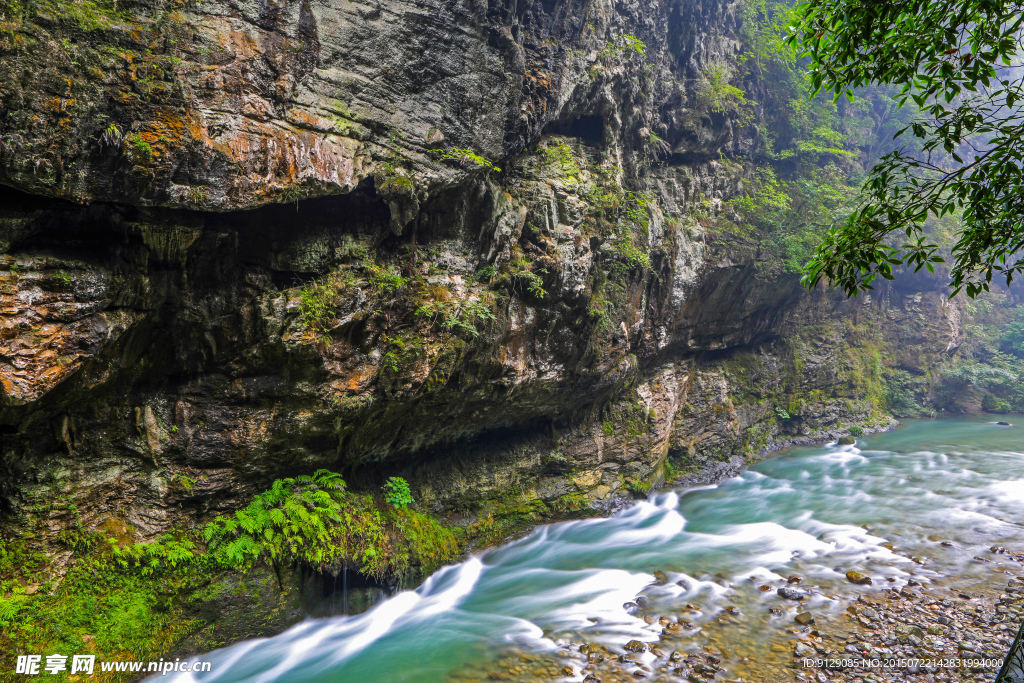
[[811, 511]]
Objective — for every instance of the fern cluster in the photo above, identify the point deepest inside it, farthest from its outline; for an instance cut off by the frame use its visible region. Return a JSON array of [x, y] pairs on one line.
[[318, 304], [384, 280], [167, 551], [294, 520], [311, 520], [457, 315]]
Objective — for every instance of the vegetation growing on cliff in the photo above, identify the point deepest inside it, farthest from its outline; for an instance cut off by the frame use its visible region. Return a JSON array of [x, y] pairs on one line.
[[807, 175], [97, 609], [463, 157], [312, 520], [457, 315], [791, 216], [123, 599], [988, 372], [715, 94]]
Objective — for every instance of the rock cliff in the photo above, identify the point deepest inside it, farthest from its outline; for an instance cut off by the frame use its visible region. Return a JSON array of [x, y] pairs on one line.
[[469, 243]]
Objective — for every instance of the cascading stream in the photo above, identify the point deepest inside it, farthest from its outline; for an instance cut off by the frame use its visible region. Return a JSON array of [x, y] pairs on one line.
[[815, 512]]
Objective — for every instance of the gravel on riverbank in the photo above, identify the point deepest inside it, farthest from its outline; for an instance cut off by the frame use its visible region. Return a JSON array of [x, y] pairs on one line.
[[927, 633], [932, 634]]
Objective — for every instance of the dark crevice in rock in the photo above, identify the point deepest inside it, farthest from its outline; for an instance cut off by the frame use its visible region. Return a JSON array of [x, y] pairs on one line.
[[588, 127]]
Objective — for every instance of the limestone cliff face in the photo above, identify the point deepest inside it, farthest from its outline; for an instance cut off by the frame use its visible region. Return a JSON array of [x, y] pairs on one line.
[[225, 105], [462, 242]]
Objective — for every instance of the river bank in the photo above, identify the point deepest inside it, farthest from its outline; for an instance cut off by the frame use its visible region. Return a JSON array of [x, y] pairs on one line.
[[935, 633], [705, 571]]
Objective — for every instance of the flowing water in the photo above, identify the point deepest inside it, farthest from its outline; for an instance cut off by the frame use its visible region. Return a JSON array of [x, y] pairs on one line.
[[814, 512]]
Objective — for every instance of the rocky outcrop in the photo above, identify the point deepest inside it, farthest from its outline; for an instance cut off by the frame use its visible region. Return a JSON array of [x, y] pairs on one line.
[[470, 244], [229, 105]]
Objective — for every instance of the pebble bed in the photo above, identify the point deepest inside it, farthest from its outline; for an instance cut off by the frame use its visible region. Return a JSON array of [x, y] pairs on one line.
[[914, 632]]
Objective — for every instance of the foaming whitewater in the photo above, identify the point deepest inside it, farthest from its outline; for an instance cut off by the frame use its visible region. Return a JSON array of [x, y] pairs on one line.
[[320, 645], [881, 506]]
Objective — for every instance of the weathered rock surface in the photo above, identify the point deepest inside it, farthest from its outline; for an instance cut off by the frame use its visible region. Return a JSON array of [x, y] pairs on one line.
[[248, 240]]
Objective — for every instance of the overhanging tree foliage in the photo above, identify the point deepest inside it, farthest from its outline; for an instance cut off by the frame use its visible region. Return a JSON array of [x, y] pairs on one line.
[[955, 60]]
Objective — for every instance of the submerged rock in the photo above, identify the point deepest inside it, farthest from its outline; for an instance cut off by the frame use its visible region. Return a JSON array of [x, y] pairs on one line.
[[636, 646], [858, 578], [804, 619], [788, 593]]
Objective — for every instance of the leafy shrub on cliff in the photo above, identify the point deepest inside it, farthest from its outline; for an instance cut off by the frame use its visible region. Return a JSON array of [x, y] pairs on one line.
[[559, 157], [383, 280], [485, 274], [714, 93], [1012, 339], [318, 301], [522, 276], [766, 200], [991, 403], [901, 393], [625, 45], [396, 492], [957, 388], [801, 133], [632, 255], [792, 215]]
